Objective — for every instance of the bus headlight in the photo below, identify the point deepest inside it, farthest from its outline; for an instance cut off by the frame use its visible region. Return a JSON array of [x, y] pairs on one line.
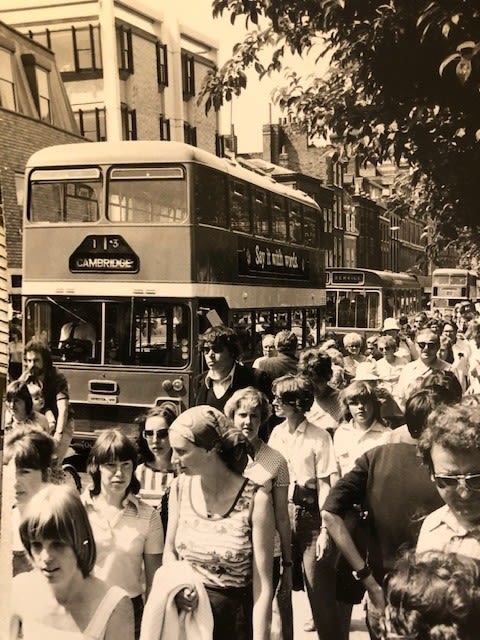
[[177, 384]]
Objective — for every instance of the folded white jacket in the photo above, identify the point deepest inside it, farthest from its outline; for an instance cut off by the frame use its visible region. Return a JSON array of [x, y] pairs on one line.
[[161, 618]]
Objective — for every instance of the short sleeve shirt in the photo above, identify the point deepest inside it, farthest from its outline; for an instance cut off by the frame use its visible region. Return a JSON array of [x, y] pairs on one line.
[[308, 452], [350, 443], [122, 542], [441, 531], [268, 469]]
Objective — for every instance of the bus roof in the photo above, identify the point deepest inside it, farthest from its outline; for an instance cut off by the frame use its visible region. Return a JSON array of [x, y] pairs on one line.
[[454, 271], [150, 151], [375, 277]]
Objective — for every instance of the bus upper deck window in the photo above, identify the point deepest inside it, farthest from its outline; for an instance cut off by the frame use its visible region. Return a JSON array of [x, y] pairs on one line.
[[156, 195], [70, 195]]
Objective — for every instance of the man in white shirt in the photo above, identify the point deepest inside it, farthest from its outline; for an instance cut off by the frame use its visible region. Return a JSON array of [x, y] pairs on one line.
[[428, 344], [450, 445]]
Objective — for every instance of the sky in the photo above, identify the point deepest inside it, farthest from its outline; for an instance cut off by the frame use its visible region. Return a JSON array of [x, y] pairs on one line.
[[254, 108]]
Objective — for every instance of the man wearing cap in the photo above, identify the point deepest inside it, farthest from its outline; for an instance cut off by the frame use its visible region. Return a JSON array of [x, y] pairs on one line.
[[428, 344], [405, 347]]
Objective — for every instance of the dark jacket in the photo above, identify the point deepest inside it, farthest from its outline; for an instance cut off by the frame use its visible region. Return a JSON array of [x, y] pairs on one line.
[[243, 376]]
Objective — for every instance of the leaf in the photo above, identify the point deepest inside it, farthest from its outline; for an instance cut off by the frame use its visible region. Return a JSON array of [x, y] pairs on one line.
[[463, 70], [445, 30], [446, 62]]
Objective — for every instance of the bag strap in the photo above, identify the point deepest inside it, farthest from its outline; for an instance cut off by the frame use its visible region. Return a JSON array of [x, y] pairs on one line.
[[98, 623]]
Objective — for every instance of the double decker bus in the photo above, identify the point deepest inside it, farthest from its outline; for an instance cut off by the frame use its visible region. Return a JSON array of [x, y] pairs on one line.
[[132, 249], [451, 286], [360, 299]]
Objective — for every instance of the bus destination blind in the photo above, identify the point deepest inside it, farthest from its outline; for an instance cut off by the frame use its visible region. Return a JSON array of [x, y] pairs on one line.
[[104, 254]]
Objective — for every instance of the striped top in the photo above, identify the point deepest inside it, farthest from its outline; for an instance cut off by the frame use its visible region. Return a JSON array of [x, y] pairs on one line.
[[123, 540], [219, 548], [153, 484]]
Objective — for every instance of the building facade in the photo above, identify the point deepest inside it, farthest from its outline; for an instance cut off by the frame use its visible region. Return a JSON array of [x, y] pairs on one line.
[[34, 113], [364, 232], [131, 72]]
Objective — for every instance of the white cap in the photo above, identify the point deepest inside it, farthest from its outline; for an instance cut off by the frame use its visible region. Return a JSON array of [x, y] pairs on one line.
[[365, 372], [390, 323]]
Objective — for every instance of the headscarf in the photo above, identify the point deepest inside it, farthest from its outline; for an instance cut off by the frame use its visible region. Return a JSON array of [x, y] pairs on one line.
[[207, 427]]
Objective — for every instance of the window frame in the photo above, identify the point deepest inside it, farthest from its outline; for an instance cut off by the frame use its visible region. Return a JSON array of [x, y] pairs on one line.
[[9, 81], [188, 75], [162, 64]]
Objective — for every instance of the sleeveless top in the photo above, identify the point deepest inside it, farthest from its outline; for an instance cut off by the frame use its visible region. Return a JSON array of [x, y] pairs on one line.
[[218, 548], [34, 628]]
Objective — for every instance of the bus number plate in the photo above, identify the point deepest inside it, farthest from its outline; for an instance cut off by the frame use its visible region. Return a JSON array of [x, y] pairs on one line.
[[102, 399]]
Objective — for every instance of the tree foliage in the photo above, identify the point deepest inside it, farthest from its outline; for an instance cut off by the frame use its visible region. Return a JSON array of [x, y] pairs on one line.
[[403, 82]]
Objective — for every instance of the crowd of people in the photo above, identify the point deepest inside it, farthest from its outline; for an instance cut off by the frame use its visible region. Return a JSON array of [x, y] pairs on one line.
[[349, 470]]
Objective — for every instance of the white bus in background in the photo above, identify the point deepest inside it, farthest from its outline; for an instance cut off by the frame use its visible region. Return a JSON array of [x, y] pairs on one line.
[[451, 286]]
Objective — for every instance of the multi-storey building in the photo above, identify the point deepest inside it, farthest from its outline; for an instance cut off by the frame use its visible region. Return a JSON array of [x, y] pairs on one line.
[[365, 233], [34, 113], [130, 70]]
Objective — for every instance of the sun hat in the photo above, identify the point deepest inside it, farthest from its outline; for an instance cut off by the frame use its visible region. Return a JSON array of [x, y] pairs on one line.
[[366, 372], [390, 323]]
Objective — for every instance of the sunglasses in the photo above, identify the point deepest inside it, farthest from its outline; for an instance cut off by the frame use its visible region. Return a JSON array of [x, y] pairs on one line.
[[428, 345], [470, 481], [152, 433], [211, 347]]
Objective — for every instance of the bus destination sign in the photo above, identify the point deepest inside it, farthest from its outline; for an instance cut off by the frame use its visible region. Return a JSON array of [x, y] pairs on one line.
[[347, 277], [104, 254]]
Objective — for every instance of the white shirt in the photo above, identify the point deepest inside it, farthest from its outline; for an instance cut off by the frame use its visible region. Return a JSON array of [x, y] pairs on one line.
[[308, 451], [220, 387], [441, 531], [350, 442], [413, 370]]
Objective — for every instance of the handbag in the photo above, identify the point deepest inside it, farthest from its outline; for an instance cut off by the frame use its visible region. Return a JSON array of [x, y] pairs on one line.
[[348, 589], [305, 497]]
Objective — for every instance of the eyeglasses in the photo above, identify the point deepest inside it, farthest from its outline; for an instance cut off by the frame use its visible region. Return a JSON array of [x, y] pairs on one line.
[[428, 345], [470, 481], [385, 348], [216, 348], [158, 434]]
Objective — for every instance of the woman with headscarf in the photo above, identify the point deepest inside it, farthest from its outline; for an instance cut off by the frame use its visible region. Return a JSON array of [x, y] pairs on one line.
[[222, 524]]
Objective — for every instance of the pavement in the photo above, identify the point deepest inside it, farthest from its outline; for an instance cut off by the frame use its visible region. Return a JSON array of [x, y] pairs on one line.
[[301, 613]]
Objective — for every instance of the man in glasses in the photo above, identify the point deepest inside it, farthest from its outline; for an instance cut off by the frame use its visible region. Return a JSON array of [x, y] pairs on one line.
[[225, 375], [450, 446], [428, 344]]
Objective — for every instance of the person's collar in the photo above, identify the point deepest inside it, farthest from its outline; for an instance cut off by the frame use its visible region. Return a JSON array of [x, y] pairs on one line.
[[88, 500], [228, 378]]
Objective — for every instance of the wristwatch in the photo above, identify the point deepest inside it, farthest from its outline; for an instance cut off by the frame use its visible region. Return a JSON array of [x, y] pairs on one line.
[[362, 573]]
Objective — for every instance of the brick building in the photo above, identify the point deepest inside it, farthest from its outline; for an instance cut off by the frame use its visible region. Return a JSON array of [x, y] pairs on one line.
[[364, 232], [131, 71], [34, 113]]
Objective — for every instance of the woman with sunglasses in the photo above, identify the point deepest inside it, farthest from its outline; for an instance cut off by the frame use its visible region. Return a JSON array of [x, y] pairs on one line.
[[450, 446], [156, 472], [128, 532], [313, 470]]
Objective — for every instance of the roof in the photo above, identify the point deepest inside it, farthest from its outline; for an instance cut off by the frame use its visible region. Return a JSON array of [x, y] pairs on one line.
[[144, 152]]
